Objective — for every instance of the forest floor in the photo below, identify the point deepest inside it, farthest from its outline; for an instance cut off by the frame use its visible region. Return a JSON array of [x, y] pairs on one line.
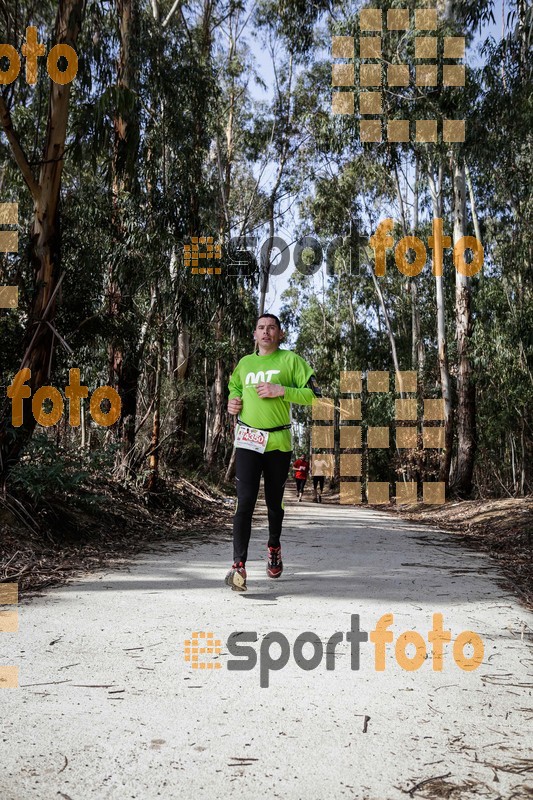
[[103, 526], [501, 528], [116, 709], [108, 524]]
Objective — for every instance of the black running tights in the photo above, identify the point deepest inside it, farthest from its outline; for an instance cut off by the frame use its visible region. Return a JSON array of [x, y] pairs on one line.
[[249, 466]]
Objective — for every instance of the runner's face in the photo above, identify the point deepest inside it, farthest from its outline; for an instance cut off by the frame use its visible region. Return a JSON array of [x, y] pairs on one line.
[[267, 335]]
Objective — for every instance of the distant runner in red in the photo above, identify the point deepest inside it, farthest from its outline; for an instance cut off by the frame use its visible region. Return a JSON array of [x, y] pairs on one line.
[[301, 466]]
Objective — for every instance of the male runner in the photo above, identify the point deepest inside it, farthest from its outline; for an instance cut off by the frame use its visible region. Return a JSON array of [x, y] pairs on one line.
[[262, 387]]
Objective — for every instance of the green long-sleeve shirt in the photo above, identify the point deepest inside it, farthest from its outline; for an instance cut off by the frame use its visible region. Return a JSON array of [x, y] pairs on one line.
[[284, 368]]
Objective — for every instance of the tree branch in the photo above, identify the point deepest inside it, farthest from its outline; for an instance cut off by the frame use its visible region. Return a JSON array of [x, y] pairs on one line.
[[171, 13], [18, 152]]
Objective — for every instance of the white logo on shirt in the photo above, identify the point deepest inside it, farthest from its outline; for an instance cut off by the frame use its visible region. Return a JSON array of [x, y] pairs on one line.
[[260, 377]]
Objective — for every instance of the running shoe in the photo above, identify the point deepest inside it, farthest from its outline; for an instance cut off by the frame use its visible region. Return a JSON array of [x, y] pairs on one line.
[[236, 577], [275, 564]]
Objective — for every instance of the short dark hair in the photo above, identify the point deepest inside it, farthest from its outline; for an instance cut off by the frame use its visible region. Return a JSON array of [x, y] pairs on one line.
[[270, 316]]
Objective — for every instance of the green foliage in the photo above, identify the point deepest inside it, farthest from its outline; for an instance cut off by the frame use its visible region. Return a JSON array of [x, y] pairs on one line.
[[47, 472], [201, 157]]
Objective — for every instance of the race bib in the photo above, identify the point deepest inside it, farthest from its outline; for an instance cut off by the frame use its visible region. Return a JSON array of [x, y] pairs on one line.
[[251, 439]]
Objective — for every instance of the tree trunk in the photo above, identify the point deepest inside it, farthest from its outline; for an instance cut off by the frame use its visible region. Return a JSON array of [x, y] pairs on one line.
[[83, 416], [466, 393], [179, 360], [215, 430], [418, 354], [180, 370], [215, 419], [390, 332], [473, 208], [524, 460], [265, 262], [417, 345], [124, 368], [154, 451], [230, 472], [444, 367], [284, 122], [45, 239]]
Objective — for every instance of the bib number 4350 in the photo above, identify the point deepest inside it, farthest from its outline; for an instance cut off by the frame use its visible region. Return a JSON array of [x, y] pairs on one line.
[[251, 439]]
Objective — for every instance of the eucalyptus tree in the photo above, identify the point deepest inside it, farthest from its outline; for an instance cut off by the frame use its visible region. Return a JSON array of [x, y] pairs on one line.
[[43, 181]]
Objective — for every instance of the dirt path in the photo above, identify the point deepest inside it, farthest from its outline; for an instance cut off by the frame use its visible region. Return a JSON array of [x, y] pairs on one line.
[[109, 708]]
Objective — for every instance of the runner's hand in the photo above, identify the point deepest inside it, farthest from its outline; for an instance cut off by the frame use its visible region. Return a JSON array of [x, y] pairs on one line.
[[235, 405], [270, 390]]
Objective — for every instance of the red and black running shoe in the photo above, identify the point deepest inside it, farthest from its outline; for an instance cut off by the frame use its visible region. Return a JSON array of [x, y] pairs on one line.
[[275, 564], [236, 577]]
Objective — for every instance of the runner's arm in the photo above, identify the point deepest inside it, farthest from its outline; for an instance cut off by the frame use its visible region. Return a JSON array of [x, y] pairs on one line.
[[235, 384], [306, 388], [235, 393], [303, 396]]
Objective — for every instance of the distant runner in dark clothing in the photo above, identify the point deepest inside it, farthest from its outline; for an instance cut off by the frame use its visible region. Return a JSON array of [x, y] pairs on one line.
[[320, 468]]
